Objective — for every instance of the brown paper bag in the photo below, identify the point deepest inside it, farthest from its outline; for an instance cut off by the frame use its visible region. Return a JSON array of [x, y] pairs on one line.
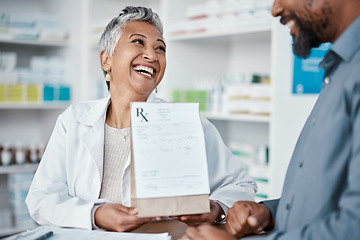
[[167, 206]]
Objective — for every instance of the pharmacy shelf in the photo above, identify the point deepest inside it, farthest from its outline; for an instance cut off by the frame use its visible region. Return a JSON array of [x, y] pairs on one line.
[[34, 42], [18, 168], [25, 106], [254, 32], [238, 117]]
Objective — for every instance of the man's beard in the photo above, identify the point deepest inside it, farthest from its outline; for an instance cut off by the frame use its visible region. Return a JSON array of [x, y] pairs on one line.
[[308, 38]]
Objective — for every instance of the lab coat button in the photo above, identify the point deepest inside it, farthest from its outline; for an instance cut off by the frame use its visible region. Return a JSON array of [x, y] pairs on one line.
[[301, 164], [327, 80], [96, 182], [313, 121], [287, 206]]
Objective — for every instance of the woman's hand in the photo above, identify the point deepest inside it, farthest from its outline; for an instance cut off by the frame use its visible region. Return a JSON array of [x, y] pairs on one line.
[[198, 219], [116, 217], [206, 232], [248, 217]]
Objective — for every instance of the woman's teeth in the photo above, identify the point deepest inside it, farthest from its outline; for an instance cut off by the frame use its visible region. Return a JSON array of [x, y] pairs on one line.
[[147, 71]]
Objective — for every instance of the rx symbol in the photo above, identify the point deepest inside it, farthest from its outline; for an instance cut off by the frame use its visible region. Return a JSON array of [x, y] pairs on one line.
[[139, 113]]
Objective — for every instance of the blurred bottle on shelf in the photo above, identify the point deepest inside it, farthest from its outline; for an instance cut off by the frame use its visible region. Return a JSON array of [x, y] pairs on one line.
[[6, 155], [20, 155]]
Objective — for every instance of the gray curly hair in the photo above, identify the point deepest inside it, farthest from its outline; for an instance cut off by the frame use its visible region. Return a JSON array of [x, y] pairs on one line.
[[113, 30]]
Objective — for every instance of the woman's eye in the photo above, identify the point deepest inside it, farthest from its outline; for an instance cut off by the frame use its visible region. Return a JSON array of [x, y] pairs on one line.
[[139, 41], [161, 48]]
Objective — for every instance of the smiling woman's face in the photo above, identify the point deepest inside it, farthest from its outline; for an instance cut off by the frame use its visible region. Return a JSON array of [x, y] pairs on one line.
[[139, 60]]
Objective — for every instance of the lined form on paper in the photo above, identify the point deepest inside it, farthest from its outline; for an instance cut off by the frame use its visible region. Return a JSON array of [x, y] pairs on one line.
[[168, 149]]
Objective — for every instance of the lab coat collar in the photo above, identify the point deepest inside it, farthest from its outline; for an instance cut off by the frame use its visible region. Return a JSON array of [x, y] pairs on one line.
[[98, 110]]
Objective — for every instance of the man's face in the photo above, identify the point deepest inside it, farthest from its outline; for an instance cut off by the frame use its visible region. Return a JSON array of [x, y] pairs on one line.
[[311, 22]]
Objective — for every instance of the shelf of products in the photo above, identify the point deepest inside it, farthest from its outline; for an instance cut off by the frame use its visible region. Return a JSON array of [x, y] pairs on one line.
[[38, 56], [16, 217], [224, 53], [32, 121], [220, 46]]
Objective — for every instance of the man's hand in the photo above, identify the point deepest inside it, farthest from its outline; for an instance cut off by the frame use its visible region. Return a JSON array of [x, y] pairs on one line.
[[198, 219], [247, 217], [116, 217], [206, 232]]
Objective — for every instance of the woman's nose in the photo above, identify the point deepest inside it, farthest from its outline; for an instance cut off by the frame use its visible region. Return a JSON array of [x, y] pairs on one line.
[[276, 8], [150, 55]]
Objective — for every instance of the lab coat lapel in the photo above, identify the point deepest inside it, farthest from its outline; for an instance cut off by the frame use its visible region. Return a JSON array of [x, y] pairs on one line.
[[94, 142], [93, 135]]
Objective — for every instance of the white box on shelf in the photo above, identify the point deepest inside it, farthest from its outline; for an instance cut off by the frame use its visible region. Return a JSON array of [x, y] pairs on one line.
[[196, 10], [18, 206], [20, 178], [260, 91], [239, 91], [236, 106], [5, 218], [260, 107], [259, 172], [263, 187], [18, 186], [245, 5], [245, 151]]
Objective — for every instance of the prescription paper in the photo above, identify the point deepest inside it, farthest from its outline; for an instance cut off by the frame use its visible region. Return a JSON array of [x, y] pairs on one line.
[[169, 167]]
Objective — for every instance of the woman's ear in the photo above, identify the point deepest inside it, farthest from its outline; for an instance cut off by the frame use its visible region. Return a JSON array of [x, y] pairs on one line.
[[105, 60]]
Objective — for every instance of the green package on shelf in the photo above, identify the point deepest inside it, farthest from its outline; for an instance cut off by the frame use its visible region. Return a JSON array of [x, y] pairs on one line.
[[200, 96], [178, 96]]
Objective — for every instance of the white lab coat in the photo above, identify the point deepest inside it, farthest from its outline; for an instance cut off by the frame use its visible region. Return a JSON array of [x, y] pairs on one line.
[[68, 180]]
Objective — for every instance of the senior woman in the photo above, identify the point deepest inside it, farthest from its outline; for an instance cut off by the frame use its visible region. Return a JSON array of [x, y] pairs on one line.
[[83, 179]]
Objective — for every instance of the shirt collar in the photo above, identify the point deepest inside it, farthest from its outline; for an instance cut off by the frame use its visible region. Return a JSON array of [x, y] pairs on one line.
[[330, 62], [344, 47], [347, 44]]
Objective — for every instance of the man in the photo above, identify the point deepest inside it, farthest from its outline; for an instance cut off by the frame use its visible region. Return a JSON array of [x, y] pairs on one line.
[[321, 194]]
